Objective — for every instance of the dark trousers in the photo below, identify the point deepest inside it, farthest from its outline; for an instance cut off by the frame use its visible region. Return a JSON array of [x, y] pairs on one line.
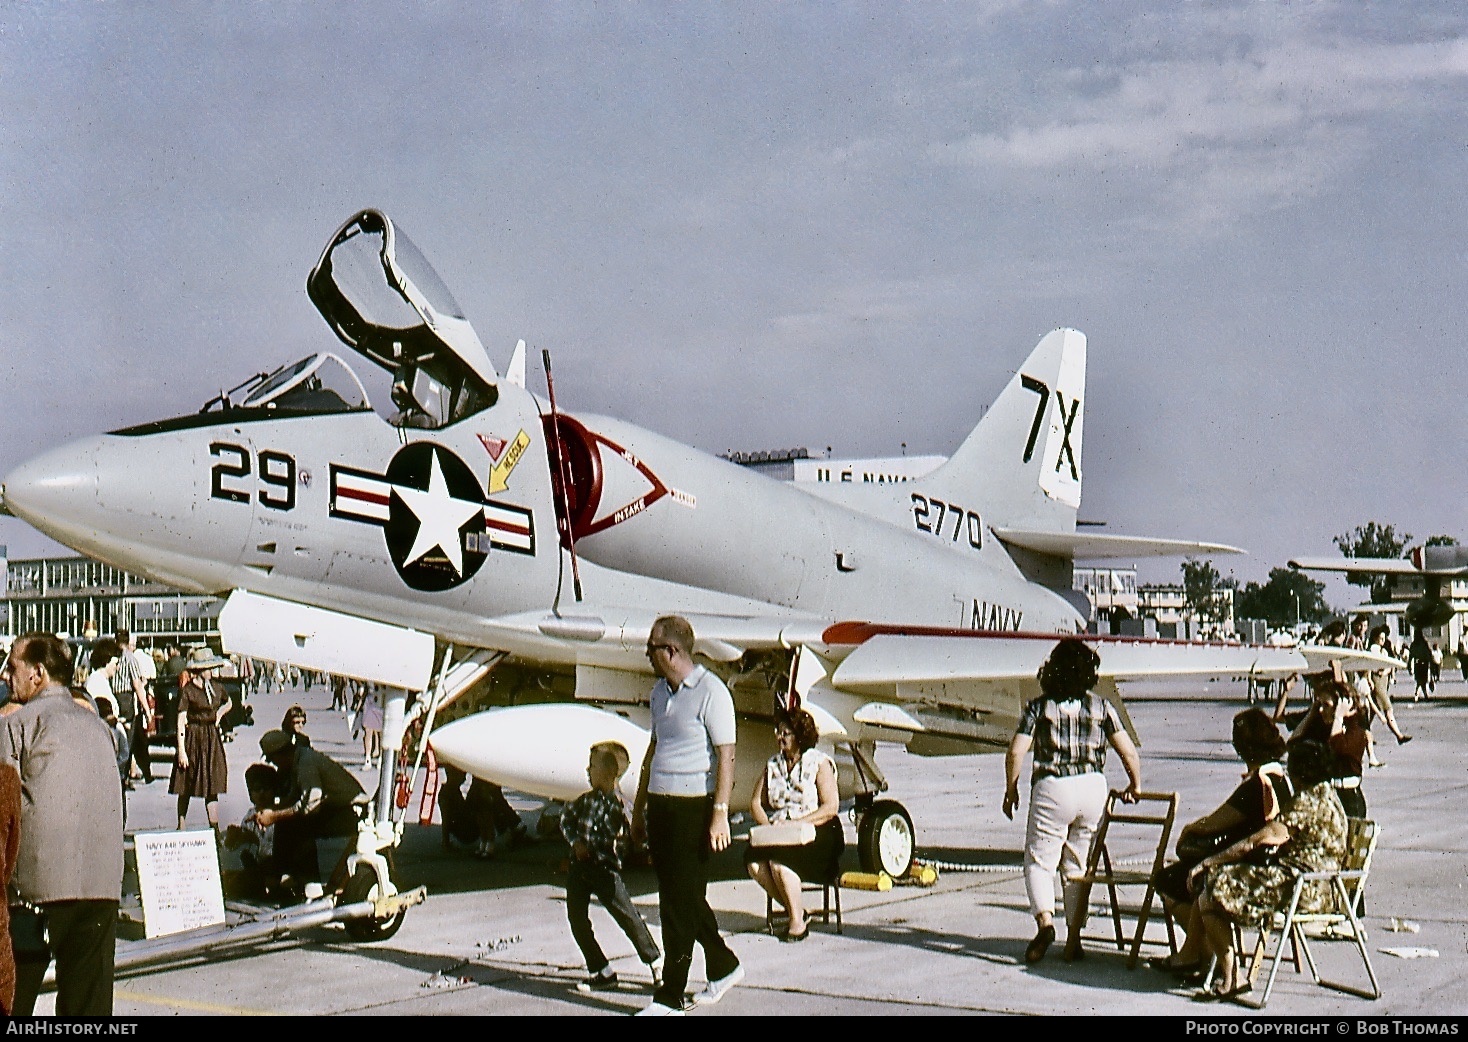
[[587, 878], [295, 840], [83, 941], [677, 837], [138, 736], [1354, 802]]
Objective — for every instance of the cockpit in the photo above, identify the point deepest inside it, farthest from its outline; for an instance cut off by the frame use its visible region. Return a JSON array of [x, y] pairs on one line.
[[384, 300], [319, 383]]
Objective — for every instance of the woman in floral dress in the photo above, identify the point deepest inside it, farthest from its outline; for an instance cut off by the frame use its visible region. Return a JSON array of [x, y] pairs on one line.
[[1251, 880]]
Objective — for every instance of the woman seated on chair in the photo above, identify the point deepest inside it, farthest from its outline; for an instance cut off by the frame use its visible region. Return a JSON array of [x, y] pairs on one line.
[[1253, 804], [1248, 882], [798, 784]]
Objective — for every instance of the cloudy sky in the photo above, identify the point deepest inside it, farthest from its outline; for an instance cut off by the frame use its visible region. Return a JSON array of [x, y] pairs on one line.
[[768, 225]]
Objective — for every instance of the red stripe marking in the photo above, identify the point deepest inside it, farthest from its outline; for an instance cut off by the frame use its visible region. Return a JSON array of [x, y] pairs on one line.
[[505, 526], [343, 492], [861, 632]]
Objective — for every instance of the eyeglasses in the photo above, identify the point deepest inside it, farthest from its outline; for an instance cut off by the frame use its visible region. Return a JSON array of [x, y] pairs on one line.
[[661, 647], [781, 732]]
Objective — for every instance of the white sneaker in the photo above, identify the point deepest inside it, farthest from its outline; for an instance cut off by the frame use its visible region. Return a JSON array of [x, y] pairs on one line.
[[657, 1009], [717, 989]]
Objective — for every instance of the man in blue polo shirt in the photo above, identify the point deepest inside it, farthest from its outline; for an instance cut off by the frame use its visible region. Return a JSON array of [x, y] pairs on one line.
[[683, 808]]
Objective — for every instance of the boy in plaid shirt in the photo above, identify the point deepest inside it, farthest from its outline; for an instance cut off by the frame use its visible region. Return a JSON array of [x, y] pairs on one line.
[[595, 825]]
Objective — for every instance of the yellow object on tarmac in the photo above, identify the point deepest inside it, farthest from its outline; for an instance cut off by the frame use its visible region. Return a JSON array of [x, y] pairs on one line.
[[866, 881], [921, 875]]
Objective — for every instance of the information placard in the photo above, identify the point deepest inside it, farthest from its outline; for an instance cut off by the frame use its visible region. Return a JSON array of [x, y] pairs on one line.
[[178, 880]]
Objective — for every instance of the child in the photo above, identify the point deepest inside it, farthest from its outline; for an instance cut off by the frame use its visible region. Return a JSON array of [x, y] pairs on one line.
[[595, 824], [255, 843]]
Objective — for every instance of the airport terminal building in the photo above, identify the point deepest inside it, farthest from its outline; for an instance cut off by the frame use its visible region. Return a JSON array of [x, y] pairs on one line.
[[77, 597]]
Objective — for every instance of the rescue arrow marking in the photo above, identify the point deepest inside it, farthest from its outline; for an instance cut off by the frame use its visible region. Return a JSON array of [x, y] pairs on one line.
[[499, 475]]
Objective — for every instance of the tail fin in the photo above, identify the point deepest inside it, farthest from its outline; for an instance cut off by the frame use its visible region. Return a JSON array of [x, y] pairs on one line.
[[1021, 466]]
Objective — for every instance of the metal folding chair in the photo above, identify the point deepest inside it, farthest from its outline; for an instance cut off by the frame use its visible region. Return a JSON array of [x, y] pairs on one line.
[[1347, 884]]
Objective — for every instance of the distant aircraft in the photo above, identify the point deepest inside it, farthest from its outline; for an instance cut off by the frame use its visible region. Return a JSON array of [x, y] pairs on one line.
[[1432, 564], [481, 532]]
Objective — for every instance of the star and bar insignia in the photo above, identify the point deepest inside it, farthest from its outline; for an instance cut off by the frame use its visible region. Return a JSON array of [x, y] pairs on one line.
[[437, 523]]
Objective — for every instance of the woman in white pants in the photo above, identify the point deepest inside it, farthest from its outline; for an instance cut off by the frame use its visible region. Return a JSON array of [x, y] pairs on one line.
[[1069, 728]]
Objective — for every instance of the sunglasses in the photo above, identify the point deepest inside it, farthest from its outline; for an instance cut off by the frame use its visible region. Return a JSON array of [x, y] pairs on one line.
[[661, 647]]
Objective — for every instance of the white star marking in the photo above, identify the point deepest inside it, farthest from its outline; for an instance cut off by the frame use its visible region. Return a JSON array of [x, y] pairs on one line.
[[440, 516]]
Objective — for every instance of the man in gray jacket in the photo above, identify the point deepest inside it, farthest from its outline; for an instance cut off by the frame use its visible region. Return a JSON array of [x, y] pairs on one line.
[[70, 862]]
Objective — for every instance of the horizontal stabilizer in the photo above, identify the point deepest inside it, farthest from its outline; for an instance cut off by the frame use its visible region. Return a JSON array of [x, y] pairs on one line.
[[1082, 546]]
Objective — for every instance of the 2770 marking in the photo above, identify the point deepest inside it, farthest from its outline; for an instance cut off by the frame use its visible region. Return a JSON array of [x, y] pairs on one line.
[[964, 521]]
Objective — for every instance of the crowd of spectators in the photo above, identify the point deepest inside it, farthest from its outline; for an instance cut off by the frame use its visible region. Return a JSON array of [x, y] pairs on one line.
[[1302, 781]]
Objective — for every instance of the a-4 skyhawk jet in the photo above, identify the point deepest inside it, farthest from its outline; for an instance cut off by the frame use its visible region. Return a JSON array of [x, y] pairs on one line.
[[479, 531]]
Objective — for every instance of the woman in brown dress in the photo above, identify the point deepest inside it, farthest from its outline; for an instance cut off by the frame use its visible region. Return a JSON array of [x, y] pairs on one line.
[[199, 768]]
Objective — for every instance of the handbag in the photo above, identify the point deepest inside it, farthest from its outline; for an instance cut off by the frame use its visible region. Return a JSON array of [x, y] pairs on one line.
[[1263, 855], [1194, 847], [28, 935], [782, 834]]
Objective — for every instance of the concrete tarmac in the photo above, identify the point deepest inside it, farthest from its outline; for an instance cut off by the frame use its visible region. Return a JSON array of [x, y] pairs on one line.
[[492, 937]]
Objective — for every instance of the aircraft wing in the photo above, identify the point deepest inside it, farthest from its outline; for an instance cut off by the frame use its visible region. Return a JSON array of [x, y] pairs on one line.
[[616, 637], [954, 691], [889, 661], [1433, 563], [591, 635], [1095, 546]]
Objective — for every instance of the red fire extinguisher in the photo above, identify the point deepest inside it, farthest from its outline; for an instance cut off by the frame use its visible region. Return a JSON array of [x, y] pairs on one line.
[[402, 794]]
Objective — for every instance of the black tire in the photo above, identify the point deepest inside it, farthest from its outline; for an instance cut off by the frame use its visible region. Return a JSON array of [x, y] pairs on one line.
[[360, 888], [885, 839]]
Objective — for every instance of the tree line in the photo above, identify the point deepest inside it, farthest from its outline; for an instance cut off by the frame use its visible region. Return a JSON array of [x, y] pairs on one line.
[[1289, 597]]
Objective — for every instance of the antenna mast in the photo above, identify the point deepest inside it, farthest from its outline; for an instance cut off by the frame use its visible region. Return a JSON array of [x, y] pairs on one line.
[[563, 518]]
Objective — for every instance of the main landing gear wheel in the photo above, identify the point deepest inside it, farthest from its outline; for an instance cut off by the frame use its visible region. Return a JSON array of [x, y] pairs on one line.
[[363, 887], [884, 839]]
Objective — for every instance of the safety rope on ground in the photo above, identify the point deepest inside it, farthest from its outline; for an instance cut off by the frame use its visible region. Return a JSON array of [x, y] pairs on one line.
[[966, 866]]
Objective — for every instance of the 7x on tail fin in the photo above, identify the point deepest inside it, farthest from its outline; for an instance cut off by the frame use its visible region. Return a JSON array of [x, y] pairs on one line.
[[1021, 466]]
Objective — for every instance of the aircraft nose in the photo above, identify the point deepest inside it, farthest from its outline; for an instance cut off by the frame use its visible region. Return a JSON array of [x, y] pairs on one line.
[[97, 492], [55, 488], [135, 502]]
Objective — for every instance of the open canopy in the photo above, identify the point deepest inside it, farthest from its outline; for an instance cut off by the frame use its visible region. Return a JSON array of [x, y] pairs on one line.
[[383, 299]]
